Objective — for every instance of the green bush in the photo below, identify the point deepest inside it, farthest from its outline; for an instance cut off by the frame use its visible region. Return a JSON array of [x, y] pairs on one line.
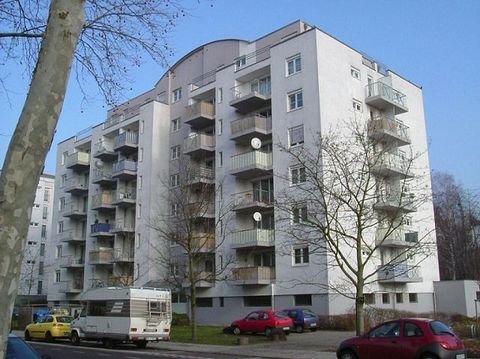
[[180, 319]]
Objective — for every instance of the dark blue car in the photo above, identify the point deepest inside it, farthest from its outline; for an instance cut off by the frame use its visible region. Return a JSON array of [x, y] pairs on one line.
[[303, 319]]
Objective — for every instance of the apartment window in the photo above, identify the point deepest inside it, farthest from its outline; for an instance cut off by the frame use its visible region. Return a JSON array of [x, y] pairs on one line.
[[257, 301], [42, 249], [174, 209], [220, 127], [175, 126], [64, 157], [43, 233], [303, 299], [355, 73], [385, 298], [58, 276], [39, 287], [220, 159], [241, 61], [139, 210], [357, 106], [60, 227], [45, 213], [219, 95], [369, 298], [295, 136], [46, 195], [399, 297], [174, 271], [174, 180], [177, 95], [140, 154], [295, 100], [175, 152], [138, 240], [294, 65], [61, 204], [297, 175], [140, 182], [204, 302], [412, 297], [221, 301], [299, 214], [407, 221], [41, 267], [142, 126], [301, 255], [58, 251], [63, 180]]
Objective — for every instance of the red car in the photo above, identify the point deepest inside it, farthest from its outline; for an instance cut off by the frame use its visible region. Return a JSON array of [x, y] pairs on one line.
[[262, 321], [415, 338]]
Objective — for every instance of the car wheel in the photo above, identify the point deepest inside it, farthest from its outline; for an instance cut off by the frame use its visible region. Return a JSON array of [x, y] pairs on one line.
[[75, 339], [268, 332], [236, 331], [299, 328], [313, 329], [347, 354], [141, 344], [287, 332], [429, 356], [108, 343], [48, 337], [27, 336]]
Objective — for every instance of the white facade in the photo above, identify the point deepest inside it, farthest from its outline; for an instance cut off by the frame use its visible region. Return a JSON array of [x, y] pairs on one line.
[[34, 268], [207, 108]]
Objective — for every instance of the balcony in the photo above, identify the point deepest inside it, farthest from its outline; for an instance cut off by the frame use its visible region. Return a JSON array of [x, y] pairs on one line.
[[104, 152], [383, 96], [202, 280], [120, 281], [71, 287], [389, 130], [76, 186], [392, 165], [203, 242], [254, 125], [199, 145], [253, 238], [74, 211], [252, 96], [200, 114], [397, 237], [201, 176], [71, 236], [103, 177], [125, 198], [398, 273], [78, 161], [252, 201], [395, 201], [123, 256], [125, 170], [126, 142], [251, 164], [122, 227], [103, 201], [253, 275], [101, 256], [101, 230], [201, 209], [72, 262]]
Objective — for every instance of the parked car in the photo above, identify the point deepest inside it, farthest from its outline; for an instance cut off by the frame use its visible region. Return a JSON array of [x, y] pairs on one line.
[[49, 327], [262, 321], [18, 349], [404, 339], [302, 319]]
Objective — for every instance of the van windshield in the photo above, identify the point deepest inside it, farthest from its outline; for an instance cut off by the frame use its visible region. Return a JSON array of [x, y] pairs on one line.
[[64, 319]]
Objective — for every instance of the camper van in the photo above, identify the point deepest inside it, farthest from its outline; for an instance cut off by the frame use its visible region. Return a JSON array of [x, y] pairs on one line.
[[124, 315]]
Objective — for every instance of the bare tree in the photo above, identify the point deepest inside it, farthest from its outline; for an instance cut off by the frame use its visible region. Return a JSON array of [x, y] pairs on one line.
[[457, 213], [106, 38], [191, 231], [347, 200]]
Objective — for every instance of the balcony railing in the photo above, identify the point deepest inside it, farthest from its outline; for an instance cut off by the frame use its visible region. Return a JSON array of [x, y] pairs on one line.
[[253, 238], [104, 151], [122, 255], [396, 200], [71, 286], [123, 226], [398, 237], [71, 236], [255, 199], [201, 175], [101, 256], [78, 160], [252, 96], [199, 143], [126, 141], [103, 176], [74, 210], [124, 168], [203, 242], [125, 198], [388, 129], [253, 275], [383, 96], [72, 261], [99, 229], [399, 273], [251, 163], [252, 58], [391, 164], [76, 185], [251, 125], [103, 200], [200, 114]]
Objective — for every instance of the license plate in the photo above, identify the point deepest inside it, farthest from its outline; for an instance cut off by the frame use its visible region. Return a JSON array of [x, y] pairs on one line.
[[150, 338], [286, 328], [313, 324], [460, 356]]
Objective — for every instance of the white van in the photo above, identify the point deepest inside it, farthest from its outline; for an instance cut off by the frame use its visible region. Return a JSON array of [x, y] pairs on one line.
[[124, 315]]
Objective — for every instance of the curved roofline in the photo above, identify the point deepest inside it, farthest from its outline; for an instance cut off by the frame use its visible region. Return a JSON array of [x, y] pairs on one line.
[[183, 58]]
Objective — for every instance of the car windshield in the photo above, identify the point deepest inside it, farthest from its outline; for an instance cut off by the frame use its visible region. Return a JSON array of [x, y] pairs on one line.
[[64, 319], [309, 313], [440, 328]]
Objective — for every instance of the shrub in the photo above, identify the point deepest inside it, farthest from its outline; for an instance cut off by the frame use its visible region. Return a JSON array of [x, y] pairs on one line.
[[180, 319]]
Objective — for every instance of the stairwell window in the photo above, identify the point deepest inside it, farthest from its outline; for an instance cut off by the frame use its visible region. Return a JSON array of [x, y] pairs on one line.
[[174, 180], [175, 152], [295, 100], [294, 64], [355, 73], [175, 126], [357, 105], [301, 255], [297, 175], [299, 214], [177, 95], [295, 136]]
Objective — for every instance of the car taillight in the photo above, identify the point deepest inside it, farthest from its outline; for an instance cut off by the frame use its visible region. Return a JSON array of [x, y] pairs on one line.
[[133, 329]]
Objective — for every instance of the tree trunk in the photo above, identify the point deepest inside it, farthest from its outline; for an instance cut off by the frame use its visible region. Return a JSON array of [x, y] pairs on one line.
[[193, 297], [359, 315], [29, 146]]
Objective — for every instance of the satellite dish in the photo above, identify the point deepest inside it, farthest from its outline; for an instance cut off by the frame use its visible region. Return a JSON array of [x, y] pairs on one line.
[[256, 143], [257, 216], [98, 163]]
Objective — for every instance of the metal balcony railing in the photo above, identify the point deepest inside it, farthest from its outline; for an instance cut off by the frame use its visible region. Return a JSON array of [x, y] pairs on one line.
[[253, 238], [257, 159]]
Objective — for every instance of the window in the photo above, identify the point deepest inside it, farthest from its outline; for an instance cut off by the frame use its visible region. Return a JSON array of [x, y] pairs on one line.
[[39, 287], [63, 180], [58, 277], [385, 298], [58, 251], [294, 65], [355, 73], [412, 330], [60, 227], [412, 298], [299, 214], [138, 240], [140, 154], [399, 297], [61, 204], [140, 182], [177, 95], [139, 210], [303, 299], [175, 126], [297, 175], [45, 213], [174, 272], [43, 233], [258, 301], [391, 329], [204, 302], [64, 157], [240, 62], [175, 180], [219, 95], [175, 152], [41, 266], [301, 255], [369, 298], [295, 136], [142, 126], [42, 249], [174, 209], [295, 100], [220, 159], [220, 127], [221, 301], [357, 106], [46, 195]]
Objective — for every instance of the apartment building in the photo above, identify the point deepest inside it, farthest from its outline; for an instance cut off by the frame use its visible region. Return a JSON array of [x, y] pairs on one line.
[[34, 269], [224, 107]]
